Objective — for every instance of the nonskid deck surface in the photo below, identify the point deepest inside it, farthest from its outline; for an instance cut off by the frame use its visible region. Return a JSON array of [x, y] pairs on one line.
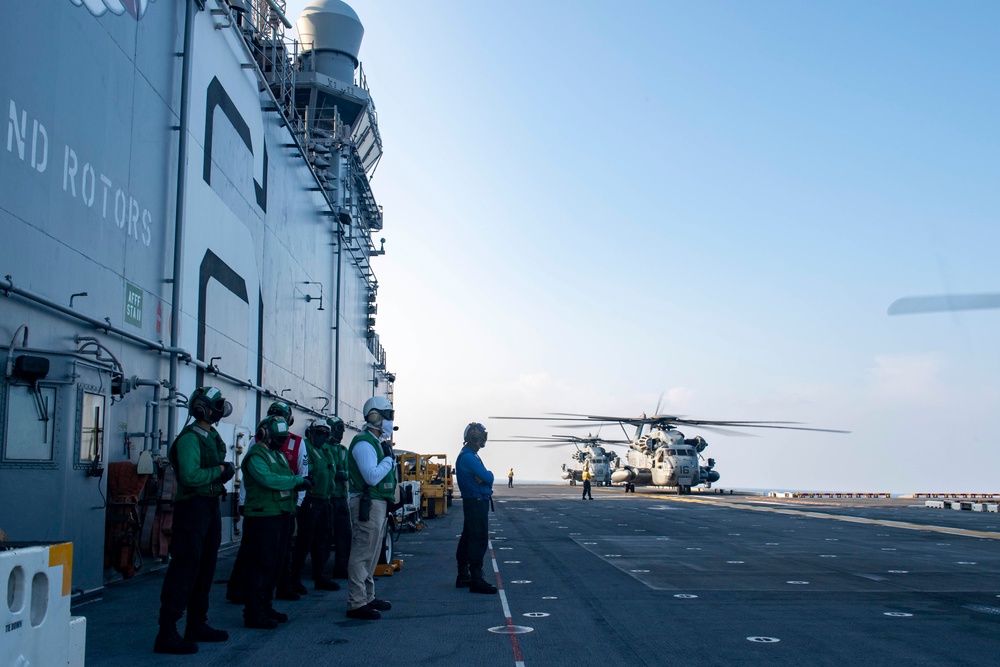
[[644, 579]]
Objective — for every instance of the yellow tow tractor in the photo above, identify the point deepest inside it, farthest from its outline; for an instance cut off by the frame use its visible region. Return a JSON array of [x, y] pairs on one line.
[[435, 477]]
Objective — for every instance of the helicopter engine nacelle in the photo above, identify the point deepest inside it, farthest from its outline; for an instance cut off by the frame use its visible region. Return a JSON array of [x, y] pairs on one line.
[[567, 475], [697, 442], [622, 475], [709, 475]]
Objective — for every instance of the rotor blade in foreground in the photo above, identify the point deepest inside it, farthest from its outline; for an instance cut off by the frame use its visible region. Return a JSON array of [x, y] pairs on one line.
[[910, 305]]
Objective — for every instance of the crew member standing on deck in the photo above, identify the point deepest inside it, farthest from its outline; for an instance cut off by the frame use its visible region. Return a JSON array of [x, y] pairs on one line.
[[313, 517], [510, 478], [372, 476], [340, 519], [270, 502], [587, 476], [295, 453], [476, 484], [198, 457]]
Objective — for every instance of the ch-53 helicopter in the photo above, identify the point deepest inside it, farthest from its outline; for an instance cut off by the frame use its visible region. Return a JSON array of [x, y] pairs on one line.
[[590, 455], [664, 456]]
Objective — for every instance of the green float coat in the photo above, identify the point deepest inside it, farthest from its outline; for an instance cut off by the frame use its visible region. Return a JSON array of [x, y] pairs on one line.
[[195, 457], [269, 481]]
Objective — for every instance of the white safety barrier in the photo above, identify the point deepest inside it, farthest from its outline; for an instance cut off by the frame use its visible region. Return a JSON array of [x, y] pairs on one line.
[[986, 496], [828, 494], [37, 626], [962, 505]]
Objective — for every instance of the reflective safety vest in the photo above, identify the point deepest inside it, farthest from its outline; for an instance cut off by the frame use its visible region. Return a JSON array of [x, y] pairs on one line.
[[386, 488], [339, 451], [268, 500], [291, 451], [207, 448], [320, 464]]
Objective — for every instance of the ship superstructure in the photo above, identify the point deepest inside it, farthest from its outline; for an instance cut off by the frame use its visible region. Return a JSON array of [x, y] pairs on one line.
[[184, 200]]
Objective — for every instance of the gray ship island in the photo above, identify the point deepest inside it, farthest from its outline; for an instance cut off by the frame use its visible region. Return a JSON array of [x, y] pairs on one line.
[[185, 200]]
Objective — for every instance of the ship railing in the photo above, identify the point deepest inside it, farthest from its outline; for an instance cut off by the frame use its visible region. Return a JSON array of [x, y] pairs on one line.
[[360, 80], [262, 24]]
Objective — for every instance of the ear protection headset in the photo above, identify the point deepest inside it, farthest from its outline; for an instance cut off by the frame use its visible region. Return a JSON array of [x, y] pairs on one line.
[[475, 434], [208, 404], [281, 409], [198, 407], [272, 430]]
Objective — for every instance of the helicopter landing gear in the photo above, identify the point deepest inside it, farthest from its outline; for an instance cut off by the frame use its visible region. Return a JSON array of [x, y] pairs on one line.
[[629, 487], [683, 490]]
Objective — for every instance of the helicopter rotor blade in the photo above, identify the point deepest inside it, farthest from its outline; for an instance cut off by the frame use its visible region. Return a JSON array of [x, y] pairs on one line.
[[726, 431], [580, 425], [910, 305], [664, 421], [793, 428]]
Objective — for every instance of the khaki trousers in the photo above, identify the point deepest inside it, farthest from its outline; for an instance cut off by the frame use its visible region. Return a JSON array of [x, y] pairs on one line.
[[366, 546]]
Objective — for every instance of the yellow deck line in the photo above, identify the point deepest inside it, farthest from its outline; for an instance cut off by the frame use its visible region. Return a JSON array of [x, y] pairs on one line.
[[839, 517]]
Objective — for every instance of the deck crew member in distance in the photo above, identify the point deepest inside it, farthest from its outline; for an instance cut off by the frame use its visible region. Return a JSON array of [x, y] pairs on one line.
[[476, 484], [198, 457]]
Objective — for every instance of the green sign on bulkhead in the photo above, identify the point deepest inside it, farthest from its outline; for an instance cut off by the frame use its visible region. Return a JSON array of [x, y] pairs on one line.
[[133, 305]]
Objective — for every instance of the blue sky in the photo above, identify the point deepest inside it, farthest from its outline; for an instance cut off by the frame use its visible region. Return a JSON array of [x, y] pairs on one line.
[[591, 204]]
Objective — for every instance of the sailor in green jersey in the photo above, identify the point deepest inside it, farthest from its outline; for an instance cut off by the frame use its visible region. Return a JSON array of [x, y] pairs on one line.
[[270, 502], [198, 457], [371, 470], [340, 518], [313, 518]]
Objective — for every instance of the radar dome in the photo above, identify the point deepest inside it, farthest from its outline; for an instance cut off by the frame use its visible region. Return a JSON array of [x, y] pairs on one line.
[[330, 33]]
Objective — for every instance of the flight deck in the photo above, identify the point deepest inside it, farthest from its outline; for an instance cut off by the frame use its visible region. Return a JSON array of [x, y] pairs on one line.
[[649, 578]]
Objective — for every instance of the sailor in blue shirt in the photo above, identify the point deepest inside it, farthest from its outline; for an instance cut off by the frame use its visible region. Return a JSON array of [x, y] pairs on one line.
[[476, 485]]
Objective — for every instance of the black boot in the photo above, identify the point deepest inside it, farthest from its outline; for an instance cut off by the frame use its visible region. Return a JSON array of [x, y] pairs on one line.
[[203, 632], [169, 641], [259, 621], [479, 583], [321, 583], [464, 578], [275, 615], [287, 594]]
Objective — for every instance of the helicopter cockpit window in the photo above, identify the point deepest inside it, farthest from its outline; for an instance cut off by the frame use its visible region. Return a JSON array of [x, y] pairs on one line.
[[30, 422], [671, 452]]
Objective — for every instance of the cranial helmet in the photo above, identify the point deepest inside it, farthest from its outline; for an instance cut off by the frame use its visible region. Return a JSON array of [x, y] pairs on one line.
[[272, 431], [209, 405], [337, 428], [282, 409], [475, 435], [319, 430], [376, 409]]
